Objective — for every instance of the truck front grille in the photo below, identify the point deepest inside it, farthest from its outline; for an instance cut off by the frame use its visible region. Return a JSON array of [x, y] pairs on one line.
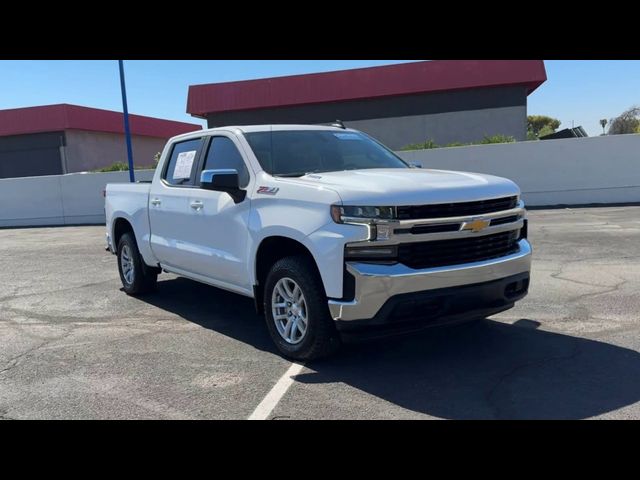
[[461, 209], [454, 252]]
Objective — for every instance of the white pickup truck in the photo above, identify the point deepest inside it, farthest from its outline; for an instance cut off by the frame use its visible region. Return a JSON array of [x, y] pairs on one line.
[[330, 232]]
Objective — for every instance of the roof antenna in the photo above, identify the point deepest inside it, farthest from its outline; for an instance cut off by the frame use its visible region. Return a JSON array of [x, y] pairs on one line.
[[339, 124]]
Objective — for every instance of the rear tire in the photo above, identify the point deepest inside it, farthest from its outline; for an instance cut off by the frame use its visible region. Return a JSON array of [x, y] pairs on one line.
[[137, 278], [294, 293]]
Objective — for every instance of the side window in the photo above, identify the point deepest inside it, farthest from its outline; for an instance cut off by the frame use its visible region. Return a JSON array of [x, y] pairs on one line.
[[181, 168], [223, 153]]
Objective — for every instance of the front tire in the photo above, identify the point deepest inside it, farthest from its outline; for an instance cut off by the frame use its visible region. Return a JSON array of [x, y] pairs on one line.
[[136, 277], [296, 310]]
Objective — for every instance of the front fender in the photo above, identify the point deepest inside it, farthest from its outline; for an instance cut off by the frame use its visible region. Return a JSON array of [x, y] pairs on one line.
[[326, 245]]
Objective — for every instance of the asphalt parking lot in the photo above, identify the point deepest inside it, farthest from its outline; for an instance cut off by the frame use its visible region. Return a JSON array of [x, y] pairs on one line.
[[73, 345]]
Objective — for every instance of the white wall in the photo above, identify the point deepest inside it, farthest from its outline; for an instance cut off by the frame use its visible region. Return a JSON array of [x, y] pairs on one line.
[[549, 172], [70, 199], [552, 172]]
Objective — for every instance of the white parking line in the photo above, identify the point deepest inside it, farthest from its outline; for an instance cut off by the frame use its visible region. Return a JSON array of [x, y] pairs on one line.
[[269, 402]]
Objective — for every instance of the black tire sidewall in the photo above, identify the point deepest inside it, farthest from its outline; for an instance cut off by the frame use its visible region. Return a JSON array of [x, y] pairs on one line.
[[138, 273], [318, 318]]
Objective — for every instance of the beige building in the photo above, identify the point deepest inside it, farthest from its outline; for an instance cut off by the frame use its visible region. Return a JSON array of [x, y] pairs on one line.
[[57, 139]]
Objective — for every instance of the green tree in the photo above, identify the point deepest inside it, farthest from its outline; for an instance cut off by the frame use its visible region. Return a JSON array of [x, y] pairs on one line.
[[496, 139], [546, 130], [627, 122], [540, 125], [429, 144], [115, 167]]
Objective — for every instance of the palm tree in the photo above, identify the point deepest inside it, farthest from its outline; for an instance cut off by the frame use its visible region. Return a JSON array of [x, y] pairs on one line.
[[603, 123]]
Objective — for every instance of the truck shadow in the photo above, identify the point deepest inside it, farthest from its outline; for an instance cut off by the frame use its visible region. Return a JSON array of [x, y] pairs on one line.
[[490, 370], [479, 370], [212, 308]]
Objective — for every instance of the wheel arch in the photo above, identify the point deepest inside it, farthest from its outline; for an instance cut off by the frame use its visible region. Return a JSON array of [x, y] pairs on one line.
[[269, 251], [121, 226]]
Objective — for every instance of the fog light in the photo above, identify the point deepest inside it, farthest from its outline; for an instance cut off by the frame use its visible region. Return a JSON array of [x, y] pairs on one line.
[[389, 252]]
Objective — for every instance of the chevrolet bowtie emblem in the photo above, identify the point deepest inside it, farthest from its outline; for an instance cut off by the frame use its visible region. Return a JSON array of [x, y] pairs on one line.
[[476, 225]]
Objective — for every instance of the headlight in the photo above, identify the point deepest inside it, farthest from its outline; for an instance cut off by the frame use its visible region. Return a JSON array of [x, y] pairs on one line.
[[342, 213]]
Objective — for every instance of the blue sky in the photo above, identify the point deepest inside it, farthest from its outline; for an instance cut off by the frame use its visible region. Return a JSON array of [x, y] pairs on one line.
[[582, 91]]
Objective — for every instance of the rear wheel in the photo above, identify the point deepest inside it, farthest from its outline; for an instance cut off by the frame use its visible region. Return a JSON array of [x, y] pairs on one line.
[[137, 278], [296, 310]]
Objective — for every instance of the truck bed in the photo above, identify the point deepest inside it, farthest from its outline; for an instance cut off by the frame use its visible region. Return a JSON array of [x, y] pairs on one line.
[[129, 201]]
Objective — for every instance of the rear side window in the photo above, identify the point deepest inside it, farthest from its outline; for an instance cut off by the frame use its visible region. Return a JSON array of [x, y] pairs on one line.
[[223, 153], [183, 162]]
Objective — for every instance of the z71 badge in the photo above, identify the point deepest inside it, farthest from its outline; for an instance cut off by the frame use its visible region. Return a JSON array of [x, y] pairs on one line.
[[268, 190]]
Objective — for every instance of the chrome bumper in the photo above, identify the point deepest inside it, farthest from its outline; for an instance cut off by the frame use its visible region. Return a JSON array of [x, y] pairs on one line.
[[375, 284]]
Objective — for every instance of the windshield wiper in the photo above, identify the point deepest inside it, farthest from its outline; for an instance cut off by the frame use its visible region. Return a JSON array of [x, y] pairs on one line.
[[297, 174]]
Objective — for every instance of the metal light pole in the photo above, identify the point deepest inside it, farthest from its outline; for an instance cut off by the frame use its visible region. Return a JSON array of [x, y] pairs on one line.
[[127, 131]]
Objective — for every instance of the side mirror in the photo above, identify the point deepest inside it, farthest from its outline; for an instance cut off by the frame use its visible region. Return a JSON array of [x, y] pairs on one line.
[[223, 180], [415, 165]]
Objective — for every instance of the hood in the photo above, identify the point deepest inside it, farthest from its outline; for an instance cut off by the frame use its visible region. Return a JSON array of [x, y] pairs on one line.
[[415, 186]]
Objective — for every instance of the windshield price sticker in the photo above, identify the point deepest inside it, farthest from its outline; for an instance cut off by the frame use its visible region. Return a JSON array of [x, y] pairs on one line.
[[184, 164]]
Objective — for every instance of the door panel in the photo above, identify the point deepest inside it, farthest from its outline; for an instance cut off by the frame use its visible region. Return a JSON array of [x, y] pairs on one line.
[[217, 232], [169, 212], [168, 221]]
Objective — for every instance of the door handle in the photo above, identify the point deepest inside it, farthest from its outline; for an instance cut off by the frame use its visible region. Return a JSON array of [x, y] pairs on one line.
[[155, 202], [197, 205]]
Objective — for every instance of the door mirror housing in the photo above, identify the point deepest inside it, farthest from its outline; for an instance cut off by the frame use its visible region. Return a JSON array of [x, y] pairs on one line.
[[223, 180], [415, 165]]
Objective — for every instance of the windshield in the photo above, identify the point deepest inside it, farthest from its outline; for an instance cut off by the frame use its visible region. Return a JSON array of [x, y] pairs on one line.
[[293, 153]]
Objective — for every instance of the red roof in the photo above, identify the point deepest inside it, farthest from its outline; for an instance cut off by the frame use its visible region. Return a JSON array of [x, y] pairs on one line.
[[48, 118], [362, 83]]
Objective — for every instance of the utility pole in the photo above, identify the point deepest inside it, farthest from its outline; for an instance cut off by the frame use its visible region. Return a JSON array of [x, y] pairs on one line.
[[127, 131]]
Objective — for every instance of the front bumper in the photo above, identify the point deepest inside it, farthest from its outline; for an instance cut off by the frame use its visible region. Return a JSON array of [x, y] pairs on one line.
[[376, 284]]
